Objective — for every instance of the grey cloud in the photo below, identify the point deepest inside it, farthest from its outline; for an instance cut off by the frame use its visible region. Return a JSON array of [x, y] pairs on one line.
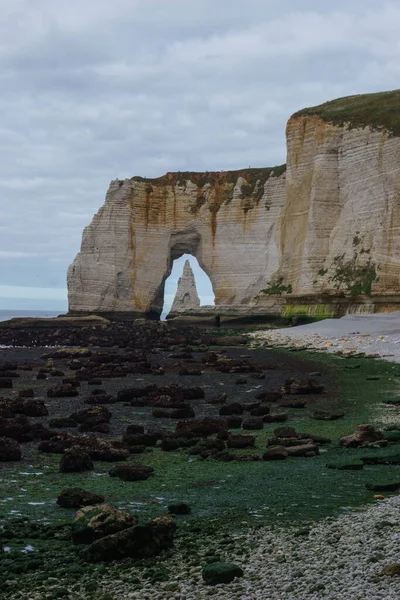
[[96, 90]]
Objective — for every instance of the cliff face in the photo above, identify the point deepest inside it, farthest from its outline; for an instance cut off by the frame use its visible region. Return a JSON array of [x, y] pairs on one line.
[[327, 227], [227, 220]]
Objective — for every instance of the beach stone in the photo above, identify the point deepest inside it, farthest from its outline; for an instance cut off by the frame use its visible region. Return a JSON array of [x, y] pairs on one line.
[[219, 572], [363, 435], [94, 522], [29, 407], [77, 497], [131, 472], [75, 461], [9, 450]]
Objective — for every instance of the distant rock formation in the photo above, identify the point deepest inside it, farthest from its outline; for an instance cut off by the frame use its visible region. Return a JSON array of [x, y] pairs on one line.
[[319, 236], [186, 297]]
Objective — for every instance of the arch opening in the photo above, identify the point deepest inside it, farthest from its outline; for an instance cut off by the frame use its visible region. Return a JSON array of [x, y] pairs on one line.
[[202, 280]]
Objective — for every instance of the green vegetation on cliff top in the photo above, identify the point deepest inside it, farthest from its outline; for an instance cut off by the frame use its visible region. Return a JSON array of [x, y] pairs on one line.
[[378, 111], [251, 175]]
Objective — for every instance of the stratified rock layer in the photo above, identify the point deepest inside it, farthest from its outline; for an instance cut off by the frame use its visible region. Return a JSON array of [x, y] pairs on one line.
[[186, 296], [324, 232]]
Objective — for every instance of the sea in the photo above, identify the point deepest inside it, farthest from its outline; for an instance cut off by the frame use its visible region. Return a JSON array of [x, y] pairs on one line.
[[5, 315]]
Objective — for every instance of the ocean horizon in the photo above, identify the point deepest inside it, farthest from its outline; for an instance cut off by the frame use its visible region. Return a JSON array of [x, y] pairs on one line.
[[7, 314]]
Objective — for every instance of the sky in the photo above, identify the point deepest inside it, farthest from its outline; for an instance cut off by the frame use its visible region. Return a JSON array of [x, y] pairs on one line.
[[94, 90]]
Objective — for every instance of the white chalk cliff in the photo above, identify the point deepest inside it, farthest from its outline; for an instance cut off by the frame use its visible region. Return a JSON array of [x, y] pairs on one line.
[[186, 297], [325, 229]]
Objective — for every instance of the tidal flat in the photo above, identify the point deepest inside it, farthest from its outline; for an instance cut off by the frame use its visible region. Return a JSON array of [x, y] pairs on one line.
[[239, 504]]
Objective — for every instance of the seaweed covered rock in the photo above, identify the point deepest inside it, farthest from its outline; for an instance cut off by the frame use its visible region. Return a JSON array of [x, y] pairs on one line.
[[94, 522], [142, 541], [362, 437]]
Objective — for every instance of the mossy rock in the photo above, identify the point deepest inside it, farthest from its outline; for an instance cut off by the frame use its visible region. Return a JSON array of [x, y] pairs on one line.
[[383, 486], [219, 572], [355, 465], [387, 459], [392, 436]]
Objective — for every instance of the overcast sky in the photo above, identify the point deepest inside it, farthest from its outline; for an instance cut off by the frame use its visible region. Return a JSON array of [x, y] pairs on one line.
[[92, 90]]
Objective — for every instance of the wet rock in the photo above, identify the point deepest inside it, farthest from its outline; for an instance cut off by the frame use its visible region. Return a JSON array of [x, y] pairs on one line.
[[62, 390], [384, 486], [303, 450], [9, 449], [6, 382], [241, 441], [77, 497], [231, 409], [179, 509], [102, 398], [29, 407], [18, 429], [292, 403], [346, 466], [131, 472], [95, 418], [302, 386], [362, 436], [269, 396], [322, 415], [75, 461], [94, 522], [276, 418], [97, 448], [275, 453], [170, 444], [260, 411], [134, 428], [234, 422], [200, 428], [253, 423], [220, 399], [26, 393], [219, 572], [142, 439], [63, 422]]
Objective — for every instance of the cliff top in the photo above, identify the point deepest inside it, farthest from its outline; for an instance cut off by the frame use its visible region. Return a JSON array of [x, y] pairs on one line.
[[216, 177], [378, 111]]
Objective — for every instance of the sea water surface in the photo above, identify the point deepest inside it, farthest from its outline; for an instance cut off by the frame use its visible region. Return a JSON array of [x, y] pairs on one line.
[[5, 315]]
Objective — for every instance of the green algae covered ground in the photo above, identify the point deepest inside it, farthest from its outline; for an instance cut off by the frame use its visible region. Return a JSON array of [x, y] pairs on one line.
[[225, 497]]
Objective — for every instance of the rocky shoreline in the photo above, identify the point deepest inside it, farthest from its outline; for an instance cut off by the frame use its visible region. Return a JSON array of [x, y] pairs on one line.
[[256, 493]]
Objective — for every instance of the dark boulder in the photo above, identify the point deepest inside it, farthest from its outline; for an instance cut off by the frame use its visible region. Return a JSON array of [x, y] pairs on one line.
[[302, 386], [94, 522], [231, 409], [241, 441], [275, 453], [253, 423], [131, 472], [9, 449], [76, 498], [63, 422], [75, 461], [62, 390], [179, 509]]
